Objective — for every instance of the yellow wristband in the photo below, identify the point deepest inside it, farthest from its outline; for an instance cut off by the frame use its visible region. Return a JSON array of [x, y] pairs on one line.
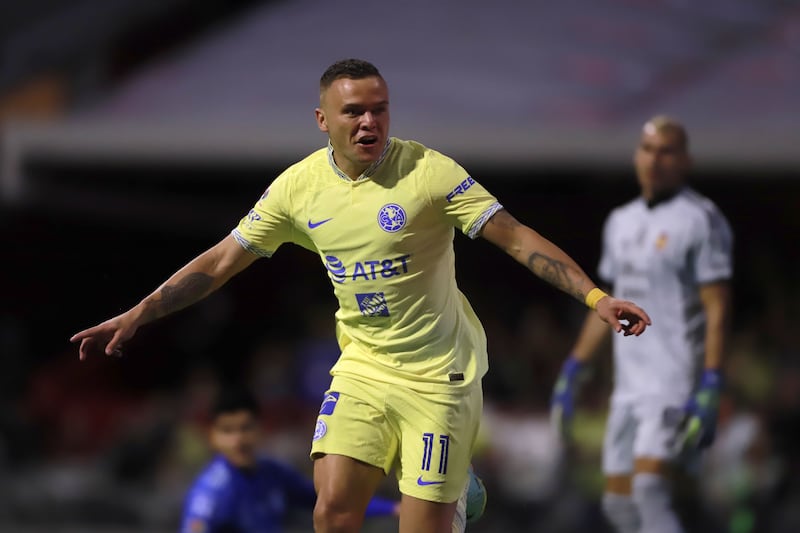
[[594, 296]]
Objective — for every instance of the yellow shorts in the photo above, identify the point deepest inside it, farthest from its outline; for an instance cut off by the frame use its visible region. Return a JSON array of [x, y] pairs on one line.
[[427, 437]]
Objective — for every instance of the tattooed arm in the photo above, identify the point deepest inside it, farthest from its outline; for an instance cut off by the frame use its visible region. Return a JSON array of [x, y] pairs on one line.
[[539, 255], [199, 278], [553, 265]]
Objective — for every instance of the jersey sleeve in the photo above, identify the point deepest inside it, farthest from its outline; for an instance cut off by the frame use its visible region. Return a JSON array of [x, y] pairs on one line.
[[465, 203], [713, 248], [269, 223], [203, 511], [607, 268]]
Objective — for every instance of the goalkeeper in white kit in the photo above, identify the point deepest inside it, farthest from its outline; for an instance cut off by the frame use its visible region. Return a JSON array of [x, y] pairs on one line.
[[670, 250]]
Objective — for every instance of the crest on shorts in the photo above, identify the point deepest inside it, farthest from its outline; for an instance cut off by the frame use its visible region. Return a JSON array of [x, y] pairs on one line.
[[391, 218], [320, 430]]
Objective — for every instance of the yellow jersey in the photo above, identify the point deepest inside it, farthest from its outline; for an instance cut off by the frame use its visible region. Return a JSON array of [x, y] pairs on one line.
[[386, 241]]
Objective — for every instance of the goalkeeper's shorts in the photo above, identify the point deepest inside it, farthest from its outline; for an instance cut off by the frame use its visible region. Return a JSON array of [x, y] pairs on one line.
[[646, 428]]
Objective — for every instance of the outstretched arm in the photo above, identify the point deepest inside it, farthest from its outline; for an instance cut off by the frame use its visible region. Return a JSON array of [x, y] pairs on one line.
[[199, 278], [550, 263]]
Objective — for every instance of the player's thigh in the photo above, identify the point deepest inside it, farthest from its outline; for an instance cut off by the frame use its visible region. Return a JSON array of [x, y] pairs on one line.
[[345, 484], [438, 432], [618, 442], [655, 445], [352, 422], [422, 516]]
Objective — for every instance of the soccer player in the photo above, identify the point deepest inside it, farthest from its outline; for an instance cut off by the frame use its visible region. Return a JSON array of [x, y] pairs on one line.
[[241, 491], [380, 213], [670, 249]]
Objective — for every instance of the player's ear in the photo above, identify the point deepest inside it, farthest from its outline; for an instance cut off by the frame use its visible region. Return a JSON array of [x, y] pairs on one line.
[[322, 123]]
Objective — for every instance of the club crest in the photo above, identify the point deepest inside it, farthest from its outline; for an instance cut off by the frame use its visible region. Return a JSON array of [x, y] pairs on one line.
[[391, 218]]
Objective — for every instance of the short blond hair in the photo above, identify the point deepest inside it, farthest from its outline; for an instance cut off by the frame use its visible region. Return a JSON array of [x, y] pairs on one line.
[[667, 124]]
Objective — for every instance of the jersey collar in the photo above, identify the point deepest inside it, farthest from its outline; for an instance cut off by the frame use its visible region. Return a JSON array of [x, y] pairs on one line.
[[663, 198], [367, 173]]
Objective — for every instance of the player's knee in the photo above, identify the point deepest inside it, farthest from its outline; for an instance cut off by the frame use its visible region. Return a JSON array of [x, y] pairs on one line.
[[333, 515], [651, 486], [651, 465], [651, 490], [619, 484]]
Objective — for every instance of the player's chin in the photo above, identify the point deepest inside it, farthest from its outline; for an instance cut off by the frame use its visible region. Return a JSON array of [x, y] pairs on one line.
[[242, 460]]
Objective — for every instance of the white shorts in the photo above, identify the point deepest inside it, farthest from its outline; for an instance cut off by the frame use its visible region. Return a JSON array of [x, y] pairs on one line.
[[647, 428]]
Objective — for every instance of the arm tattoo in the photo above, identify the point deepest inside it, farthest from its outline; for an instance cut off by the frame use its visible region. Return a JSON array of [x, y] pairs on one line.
[[554, 272], [185, 292]]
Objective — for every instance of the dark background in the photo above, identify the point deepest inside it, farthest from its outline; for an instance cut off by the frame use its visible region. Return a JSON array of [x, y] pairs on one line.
[[135, 134]]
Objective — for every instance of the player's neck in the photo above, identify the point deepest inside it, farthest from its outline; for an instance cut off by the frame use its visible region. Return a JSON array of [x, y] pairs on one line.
[[351, 171], [242, 466], [662, 196]]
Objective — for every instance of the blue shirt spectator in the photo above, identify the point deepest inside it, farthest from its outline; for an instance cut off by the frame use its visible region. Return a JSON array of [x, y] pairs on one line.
[[242, 492]]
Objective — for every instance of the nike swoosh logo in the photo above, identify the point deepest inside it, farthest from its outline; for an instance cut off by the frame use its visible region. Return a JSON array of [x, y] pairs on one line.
[[312, 225], [421, 482]]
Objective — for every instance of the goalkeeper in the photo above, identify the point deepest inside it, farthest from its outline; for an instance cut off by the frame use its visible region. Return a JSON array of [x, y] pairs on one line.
[[670, 250]]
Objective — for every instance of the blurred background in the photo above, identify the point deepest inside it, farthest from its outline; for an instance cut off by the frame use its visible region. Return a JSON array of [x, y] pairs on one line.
[[136, 133]]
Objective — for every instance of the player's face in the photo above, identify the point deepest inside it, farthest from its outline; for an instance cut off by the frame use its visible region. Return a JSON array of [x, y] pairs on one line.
[[661, 162], [355, 115], [235, 435]]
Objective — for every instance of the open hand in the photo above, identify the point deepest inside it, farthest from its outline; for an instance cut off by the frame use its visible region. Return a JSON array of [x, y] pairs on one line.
[[106, 337], [616, 311]]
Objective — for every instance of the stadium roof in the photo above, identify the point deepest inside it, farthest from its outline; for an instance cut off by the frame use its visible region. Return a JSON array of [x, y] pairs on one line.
[[517, 83]]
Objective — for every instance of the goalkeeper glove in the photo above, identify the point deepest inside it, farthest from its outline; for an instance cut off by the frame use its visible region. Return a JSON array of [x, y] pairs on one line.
[[701, 412], [565, 393]]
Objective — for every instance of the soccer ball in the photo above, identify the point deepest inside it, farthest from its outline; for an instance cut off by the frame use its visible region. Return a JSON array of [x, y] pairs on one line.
[[476, 498]]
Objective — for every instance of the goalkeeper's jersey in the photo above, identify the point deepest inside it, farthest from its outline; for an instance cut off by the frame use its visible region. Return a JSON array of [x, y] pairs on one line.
[[386, 243], [658, 257]]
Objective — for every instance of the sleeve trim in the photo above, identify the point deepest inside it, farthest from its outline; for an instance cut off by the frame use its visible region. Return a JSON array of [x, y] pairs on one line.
[[480, 222], [247, 245]]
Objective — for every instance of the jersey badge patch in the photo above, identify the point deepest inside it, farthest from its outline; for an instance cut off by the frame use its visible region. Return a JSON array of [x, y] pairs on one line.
[[661, 241], [372, 304], [391, 218]]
